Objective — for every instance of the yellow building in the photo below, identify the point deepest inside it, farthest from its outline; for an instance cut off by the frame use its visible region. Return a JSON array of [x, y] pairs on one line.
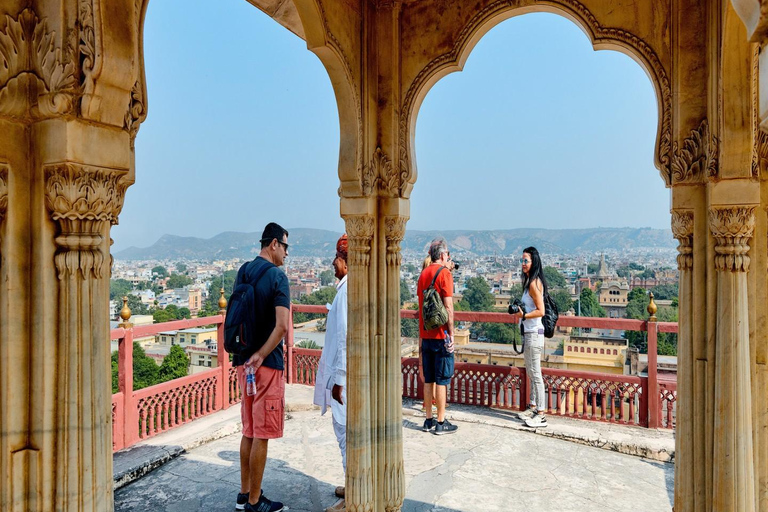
[[613, 297], [200, 336], [595, 353]]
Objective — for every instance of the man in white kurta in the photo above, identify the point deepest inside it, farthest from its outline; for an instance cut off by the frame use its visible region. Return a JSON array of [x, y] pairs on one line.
[[331, 380]]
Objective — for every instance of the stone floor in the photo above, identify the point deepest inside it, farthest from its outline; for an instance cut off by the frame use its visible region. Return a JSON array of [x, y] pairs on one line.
[[483, 467]]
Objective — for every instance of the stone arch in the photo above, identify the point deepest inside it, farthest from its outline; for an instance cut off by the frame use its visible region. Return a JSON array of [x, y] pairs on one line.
[[601, 38]]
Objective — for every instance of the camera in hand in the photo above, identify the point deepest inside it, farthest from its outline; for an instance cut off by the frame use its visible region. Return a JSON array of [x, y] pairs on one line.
[[455, 266], [516, 306]]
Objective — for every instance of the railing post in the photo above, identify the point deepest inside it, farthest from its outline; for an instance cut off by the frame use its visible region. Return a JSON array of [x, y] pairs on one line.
[[125, 379], [222, 358], [653, 381], [289, 373]]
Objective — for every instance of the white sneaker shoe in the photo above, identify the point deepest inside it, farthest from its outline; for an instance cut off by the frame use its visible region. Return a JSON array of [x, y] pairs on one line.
[[529, 413], [537, 421]]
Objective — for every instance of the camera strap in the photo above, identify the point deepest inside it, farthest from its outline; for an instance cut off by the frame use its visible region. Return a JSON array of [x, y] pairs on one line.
[[522, 340]]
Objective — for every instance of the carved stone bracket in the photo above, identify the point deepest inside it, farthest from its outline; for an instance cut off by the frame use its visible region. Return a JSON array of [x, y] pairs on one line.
[[89, 47], [682, 229], [84, 201], [360, 233], [760, 158], [380, 175], [394, 232], [136, 112], [697, 158], [732, 228], [37, 78]]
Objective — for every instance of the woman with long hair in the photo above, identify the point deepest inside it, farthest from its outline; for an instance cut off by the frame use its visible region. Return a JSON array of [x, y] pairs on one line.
[[534, 288]]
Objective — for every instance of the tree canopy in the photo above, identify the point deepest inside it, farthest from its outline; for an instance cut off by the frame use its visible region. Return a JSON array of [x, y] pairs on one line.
[[137, 307], [175, 365], [590, 306], [554, 278], [563, 300], [118, 288], [327, 277], [405, 292], [320, 297], [161, 271], [178, 281], [477, 295]]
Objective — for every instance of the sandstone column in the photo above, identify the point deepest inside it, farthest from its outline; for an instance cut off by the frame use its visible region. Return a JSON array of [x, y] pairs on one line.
[[734, 475]]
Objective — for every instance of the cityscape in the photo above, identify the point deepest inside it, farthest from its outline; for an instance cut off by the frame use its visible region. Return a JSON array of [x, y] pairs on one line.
[[612, 283]]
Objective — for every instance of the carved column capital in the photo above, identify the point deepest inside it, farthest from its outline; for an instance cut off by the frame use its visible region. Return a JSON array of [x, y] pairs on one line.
[[84, 201], [732, 228], [360, 230], [697, 158], [682, 229], [394, 232]]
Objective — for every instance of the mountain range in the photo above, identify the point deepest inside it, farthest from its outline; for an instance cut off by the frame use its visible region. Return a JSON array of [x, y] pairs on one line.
[[321, 243]]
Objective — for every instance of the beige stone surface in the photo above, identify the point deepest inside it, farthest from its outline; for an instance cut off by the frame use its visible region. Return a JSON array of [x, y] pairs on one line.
[[73, 96]]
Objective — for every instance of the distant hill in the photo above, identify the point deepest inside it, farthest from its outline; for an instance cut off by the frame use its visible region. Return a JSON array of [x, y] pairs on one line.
[[321, 243]]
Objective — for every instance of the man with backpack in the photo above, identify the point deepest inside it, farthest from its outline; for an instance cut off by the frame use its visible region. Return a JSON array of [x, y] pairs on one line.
[[262, 298], [435, 293]]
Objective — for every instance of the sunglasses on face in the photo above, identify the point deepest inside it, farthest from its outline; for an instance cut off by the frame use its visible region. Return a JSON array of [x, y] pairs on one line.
[[524, 261], [285, 245]]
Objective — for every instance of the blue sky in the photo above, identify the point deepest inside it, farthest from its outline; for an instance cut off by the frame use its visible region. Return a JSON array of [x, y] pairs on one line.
[[538, 130]]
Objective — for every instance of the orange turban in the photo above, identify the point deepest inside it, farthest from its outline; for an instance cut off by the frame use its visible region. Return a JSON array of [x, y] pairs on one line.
[[341, 247]]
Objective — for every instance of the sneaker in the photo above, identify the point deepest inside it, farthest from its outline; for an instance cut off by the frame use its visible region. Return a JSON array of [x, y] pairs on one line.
[[339, 491], [429, 424], [529, 413], [264, 505], [445, 427], [242, 499], [537, 421], [339, 506]]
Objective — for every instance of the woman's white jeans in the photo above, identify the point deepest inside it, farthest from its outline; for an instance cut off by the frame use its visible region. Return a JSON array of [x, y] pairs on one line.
[[534, 346]]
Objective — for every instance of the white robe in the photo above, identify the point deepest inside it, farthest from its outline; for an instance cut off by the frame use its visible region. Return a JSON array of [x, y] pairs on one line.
[[332, 369]]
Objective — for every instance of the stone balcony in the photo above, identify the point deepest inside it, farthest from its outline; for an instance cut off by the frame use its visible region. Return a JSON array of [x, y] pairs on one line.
[[492, 463]]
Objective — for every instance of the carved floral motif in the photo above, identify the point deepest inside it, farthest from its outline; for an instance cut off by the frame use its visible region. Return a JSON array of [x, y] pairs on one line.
[[598, 33], [360, 233], [3, 190], [394, 232], [732, 228], [87, 45], [760, 158], [697, 158], [380, 175], [682, 229], [136, 112], [37, 79], [84, 201]]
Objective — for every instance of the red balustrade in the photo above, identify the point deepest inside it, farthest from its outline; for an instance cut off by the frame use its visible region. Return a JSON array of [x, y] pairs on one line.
[[619, 399]]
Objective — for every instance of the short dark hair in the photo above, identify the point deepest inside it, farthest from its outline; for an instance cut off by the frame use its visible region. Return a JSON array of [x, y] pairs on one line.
[[272, 231]]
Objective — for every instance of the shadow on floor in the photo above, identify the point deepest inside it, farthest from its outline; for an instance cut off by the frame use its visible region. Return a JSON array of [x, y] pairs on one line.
[[188, 484]]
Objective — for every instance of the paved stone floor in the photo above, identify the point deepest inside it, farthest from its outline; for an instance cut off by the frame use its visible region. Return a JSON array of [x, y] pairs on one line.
[[480, 468]]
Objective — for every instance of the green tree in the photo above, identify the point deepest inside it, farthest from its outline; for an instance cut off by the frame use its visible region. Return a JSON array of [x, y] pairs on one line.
[[410, 267], [227, 281], [178, 281], [137, 307], [563, 300], [405, 292], [648, 274], [115, 374], [161, 271], [478, 295], [327, 277], [181, 268], [118, 288], [554, 278], [175, 365], [162, 315], [636, 266], [590, 306], [501, 333], [623, 272], [145, 371], [409, 327], [665, 291], [592, 268], [320, 297]]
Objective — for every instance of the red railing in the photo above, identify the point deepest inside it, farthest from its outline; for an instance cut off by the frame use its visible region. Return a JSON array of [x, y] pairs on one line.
[[621, 399]]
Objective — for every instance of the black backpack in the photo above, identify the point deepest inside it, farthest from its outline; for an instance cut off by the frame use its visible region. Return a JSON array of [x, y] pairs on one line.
[[550, 316], [240, 323], [433, 310]]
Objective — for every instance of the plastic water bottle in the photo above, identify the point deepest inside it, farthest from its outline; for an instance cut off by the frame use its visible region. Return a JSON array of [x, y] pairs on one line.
[[448, 342], [250, 380]]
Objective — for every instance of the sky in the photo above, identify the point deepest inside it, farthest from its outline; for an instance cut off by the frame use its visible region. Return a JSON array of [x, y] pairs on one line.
[[538, 130]]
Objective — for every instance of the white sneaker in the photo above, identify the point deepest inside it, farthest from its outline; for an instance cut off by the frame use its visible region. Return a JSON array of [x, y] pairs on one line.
[[529, 413], [537, 421]]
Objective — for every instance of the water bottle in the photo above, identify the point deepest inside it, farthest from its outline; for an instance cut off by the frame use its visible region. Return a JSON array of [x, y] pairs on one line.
[[250, 380], [448, 342]]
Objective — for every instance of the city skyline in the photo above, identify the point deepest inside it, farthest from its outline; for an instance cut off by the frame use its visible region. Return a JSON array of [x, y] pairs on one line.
[[268, 149]]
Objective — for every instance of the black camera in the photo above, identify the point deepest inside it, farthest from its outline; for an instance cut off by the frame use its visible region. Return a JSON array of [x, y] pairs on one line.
[[516, 306], [455, 266]]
